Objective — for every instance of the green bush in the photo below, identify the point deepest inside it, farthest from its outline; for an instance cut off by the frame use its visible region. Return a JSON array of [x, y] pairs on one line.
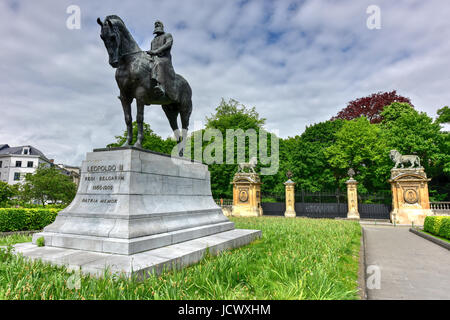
[[23, 219], [428, 223], [438, 225], [444, 230], [432, 224], [40, 242]]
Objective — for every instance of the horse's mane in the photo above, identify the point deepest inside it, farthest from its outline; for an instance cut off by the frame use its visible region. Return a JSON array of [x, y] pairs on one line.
[[117, 22], [114, 17]]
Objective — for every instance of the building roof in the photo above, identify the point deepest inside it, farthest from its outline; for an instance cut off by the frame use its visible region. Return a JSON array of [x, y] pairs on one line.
[[6, 149]]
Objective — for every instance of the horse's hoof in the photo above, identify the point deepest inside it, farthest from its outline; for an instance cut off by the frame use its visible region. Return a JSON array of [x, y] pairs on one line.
[[138, 145]]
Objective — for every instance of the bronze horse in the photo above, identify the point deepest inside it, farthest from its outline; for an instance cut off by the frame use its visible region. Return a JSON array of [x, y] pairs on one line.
[[133, 75]]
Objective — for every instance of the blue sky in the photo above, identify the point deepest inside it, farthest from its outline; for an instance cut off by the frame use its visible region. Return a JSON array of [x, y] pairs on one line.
[[297, 62]]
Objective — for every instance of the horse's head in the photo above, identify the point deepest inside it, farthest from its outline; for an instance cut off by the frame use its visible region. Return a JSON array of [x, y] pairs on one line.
[[111, 38]]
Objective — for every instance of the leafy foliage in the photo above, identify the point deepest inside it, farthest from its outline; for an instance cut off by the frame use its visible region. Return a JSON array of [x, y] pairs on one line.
[[48, 184], [231, 115], [443, 115], [305, 156], [370, 106], [438, 225], [320, 157], [21, 219], [444, 230], [6, 192], [413, 132], [359, 146]]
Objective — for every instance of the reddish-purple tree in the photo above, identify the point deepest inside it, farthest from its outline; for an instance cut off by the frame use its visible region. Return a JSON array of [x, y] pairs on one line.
[[370, 106]]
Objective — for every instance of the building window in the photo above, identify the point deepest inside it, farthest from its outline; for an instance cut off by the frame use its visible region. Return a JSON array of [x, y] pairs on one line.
[[18, 164], [26, 151], [30, 164], [1, 163], [16, 176]]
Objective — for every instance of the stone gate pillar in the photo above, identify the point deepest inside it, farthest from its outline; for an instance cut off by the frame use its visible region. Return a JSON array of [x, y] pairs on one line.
[[246, 195], [410, 199], [290, 199], [352, 196]]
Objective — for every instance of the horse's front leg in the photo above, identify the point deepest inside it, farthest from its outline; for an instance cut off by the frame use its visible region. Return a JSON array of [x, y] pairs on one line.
[[126, 105], [140, 123]]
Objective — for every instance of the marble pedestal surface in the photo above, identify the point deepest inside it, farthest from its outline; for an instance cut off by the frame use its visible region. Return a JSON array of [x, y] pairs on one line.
[[142, 264], [131, 200]]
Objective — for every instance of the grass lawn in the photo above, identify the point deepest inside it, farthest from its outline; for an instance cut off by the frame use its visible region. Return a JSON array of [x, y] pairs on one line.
[[10, 240], [295, 259]]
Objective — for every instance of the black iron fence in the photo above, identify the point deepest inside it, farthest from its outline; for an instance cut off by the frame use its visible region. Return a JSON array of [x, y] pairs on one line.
[[380, 197], [329, 204], [335, 196], [273, 197], [321, 210], [273, 208], [374, 211], [224, 202]]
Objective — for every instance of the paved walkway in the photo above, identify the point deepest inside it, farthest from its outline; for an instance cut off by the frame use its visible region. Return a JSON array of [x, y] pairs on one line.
[[410, 267]]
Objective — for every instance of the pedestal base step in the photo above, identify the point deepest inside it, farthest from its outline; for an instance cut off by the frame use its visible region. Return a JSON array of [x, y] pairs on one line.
[[129, 246], [140, 264]]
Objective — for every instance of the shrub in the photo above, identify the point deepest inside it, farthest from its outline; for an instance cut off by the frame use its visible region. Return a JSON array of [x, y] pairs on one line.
[[444, 230], [40, 242], [428, 223], [23, 219], [438, 225], [432, 224]]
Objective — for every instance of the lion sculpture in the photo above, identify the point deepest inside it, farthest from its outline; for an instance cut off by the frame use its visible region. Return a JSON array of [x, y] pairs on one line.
[[248, 165], [399, 159]]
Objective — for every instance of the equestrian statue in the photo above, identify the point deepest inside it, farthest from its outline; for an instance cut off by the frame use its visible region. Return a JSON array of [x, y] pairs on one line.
[[148, 77]]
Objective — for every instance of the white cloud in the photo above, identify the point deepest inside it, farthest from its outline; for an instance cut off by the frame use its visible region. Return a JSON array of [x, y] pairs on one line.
[[298, 62]]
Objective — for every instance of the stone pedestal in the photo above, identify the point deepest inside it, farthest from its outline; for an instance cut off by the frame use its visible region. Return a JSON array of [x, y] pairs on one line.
[[246, 195], [352, 199], [137, 212], [132, 200], [410, 200], [290, 199]]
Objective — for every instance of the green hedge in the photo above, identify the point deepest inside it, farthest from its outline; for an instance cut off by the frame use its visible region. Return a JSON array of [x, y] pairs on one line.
[[23, 219], [444, 230], [438, 225]]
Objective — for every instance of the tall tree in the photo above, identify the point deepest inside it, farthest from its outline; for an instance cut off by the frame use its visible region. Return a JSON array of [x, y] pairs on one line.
[[48, 184], [443, 115], [359, 145], [413, 132], [305, 156], [231, 115], [370, 106], [6, 192]]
